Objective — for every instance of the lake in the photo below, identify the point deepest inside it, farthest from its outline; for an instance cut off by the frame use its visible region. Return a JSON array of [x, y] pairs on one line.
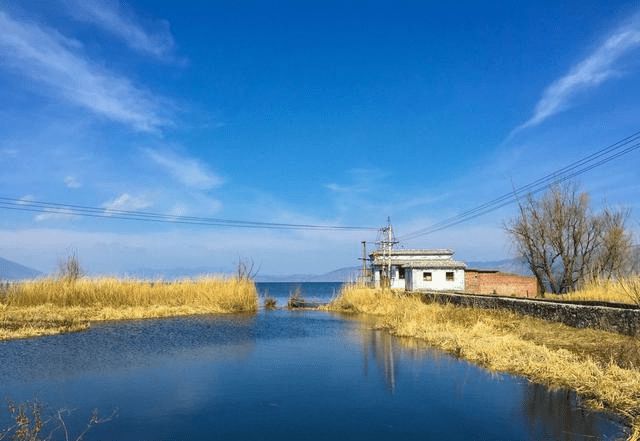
[[282, 375]]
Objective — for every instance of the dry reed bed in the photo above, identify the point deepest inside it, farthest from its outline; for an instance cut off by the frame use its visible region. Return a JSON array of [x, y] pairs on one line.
[[544, 352], [50, 306], [612, 291]]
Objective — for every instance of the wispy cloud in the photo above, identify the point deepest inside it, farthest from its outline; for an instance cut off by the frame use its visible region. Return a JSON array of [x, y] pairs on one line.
[[152, 38], [55, 214], [10, 153], [362, 180], [127, 202], [189, 171], [24, 200], [592, 71], [72, 182], [58, 63]]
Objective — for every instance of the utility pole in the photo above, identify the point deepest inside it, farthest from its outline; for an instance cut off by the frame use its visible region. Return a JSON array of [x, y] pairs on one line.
[[386, 243], [364, 261]]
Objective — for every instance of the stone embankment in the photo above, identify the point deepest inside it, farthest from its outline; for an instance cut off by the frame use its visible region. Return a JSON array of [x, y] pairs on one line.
[[623, 319]]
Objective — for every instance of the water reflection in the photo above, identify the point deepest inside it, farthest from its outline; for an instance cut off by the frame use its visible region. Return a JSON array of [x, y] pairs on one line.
[[550, 414], [378, 346], [559, 411], [138, 344]]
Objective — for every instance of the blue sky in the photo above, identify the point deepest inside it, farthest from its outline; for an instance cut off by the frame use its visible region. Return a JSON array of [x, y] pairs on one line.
[[316, 112]]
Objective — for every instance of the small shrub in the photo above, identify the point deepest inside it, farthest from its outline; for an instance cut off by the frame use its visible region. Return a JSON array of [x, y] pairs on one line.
[[31, 423], [270, 303], [69, 269], [295, 298]]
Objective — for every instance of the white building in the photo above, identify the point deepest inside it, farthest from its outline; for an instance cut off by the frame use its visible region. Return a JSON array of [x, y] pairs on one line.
[[417, 270]]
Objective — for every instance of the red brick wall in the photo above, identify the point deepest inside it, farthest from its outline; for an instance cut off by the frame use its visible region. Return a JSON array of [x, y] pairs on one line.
[[500, 283]]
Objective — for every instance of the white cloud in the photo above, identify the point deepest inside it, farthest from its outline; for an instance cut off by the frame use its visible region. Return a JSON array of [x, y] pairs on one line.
[[24, 200], [10, 153], [117, 19], [127, 202], [55, 214], [189, 171], [178, 210], [72, 182], [57, 62], [336, 187], [362, 180], [596, 68]]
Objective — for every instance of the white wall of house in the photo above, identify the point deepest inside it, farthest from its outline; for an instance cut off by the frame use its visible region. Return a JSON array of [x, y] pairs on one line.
[[416, 279], [396, 281]]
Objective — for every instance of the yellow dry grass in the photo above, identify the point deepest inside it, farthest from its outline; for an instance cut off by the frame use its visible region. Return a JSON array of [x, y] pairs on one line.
[[49, 306], [544, 352], [602, 291]]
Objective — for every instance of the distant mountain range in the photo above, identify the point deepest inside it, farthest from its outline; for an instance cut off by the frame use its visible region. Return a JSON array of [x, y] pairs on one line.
[[515, 266], [173, 273], [14, 271], [340, 275]]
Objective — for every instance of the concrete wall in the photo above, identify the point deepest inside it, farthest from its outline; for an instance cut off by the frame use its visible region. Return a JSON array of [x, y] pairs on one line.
[[486, 282], [621, 320], [438, 282]]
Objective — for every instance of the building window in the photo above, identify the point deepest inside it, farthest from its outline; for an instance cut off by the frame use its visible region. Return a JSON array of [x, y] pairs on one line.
[[401, 273], [426, 276], [449, 276]]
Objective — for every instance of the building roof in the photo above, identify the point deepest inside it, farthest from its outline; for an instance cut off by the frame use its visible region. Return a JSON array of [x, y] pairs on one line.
[[429, 263], [417, 252], [483, 270]]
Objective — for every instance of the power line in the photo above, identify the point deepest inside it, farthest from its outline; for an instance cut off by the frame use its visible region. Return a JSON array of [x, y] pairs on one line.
[[455, 220], [107, 213], [571, 170]]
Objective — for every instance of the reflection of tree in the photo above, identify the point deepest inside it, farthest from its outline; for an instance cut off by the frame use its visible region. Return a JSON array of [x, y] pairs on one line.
[[558, 412]]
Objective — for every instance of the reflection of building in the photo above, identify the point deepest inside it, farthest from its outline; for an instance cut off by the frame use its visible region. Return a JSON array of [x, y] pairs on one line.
[[414, 270]]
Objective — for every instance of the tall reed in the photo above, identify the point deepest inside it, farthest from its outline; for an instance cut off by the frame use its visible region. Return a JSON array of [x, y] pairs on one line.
[[623, 290], [49, 306], [216, 294]]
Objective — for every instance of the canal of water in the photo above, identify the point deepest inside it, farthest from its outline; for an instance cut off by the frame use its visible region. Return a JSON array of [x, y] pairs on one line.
[[281, 375]]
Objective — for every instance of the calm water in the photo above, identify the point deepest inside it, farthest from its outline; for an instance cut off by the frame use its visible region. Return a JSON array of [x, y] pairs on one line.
[[283, 376], [310, 291]]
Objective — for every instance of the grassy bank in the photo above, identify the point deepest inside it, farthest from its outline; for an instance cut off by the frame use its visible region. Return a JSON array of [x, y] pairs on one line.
[[600, 366], [50, 306]]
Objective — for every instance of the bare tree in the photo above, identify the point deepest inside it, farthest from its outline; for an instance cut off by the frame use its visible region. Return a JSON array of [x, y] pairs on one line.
[[615, 256], [246, 269], [69, 268], [565, 243]]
